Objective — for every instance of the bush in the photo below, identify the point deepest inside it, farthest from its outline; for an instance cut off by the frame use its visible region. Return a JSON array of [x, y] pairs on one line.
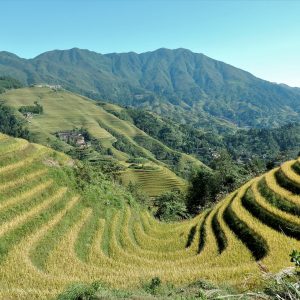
[[34, 109], [204, 187], [153, 286], [295, 257], [283, 288], [138, 194], [80, 291], [10, 124], [7, 83], [171, 206]]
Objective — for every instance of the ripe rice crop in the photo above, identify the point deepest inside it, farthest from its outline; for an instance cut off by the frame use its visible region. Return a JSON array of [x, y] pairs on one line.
[[51, 236]]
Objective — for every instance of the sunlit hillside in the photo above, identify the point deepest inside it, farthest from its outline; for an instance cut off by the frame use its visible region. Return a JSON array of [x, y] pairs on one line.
[[52, 234], [63, 111]]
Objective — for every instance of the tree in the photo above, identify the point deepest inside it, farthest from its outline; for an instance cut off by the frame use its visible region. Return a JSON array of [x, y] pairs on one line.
[[34, 109], [171, 206], [204, 187], [229, 173], [10, 124], [138, 194]]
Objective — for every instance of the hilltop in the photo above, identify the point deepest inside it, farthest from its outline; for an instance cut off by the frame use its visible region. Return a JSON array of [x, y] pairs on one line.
[[143, 160], [186, 86], [57, 229]]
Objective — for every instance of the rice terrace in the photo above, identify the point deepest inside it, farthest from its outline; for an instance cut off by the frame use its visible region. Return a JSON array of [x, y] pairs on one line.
[[150, 150], [52, 236]]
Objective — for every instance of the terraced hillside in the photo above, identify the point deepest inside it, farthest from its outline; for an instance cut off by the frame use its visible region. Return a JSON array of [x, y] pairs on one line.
[[153, 181], [65, 111], [52, 235]]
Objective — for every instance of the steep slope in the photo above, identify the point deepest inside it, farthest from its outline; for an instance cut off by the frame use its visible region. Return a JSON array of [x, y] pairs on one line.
[[63, 111], [184, 85], [52, 235]]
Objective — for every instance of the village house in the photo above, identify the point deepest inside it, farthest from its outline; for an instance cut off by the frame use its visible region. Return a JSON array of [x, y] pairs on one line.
[[74, 138]]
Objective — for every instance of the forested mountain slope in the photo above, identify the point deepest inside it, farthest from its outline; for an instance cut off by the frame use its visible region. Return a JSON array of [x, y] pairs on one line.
[[186, 86], [268, 145]]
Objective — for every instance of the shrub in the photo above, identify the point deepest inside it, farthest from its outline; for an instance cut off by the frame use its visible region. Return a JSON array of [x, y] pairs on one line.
[[35, 109], [204, 187], [79, 291], [171, 206], [295, 257], [153, 286], [10, 124]]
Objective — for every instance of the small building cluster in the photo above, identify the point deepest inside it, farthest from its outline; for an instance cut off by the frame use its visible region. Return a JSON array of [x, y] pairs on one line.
[[75, 138], [53, 87]]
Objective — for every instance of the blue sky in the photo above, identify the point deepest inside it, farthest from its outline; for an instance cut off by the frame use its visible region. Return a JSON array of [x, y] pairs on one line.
[[262, 37]]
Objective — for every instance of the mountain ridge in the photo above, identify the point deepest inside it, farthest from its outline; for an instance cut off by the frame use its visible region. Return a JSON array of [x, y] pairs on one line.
[[75, 49], [186, 86]]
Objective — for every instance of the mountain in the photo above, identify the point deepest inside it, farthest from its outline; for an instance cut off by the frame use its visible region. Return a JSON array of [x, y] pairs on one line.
[[185, 86], [98, 233]]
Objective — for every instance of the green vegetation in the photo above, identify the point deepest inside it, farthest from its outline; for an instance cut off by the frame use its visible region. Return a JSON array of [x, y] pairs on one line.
[[77, 126], [153, 180], [295, 257], [34, 109], [65, 221], [114, 141], [283, 287], [153, 289], [171, 206], [11, 124], [207, 94], [203, 190], [209, 185], [8, 83], [253, 151]]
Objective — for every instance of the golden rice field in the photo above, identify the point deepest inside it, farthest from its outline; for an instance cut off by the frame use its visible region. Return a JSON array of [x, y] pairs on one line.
[[153, 181], [51, 236]]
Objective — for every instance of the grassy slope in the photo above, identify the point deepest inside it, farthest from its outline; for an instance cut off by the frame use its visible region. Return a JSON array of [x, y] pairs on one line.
[[64, 111], [52, 234]]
